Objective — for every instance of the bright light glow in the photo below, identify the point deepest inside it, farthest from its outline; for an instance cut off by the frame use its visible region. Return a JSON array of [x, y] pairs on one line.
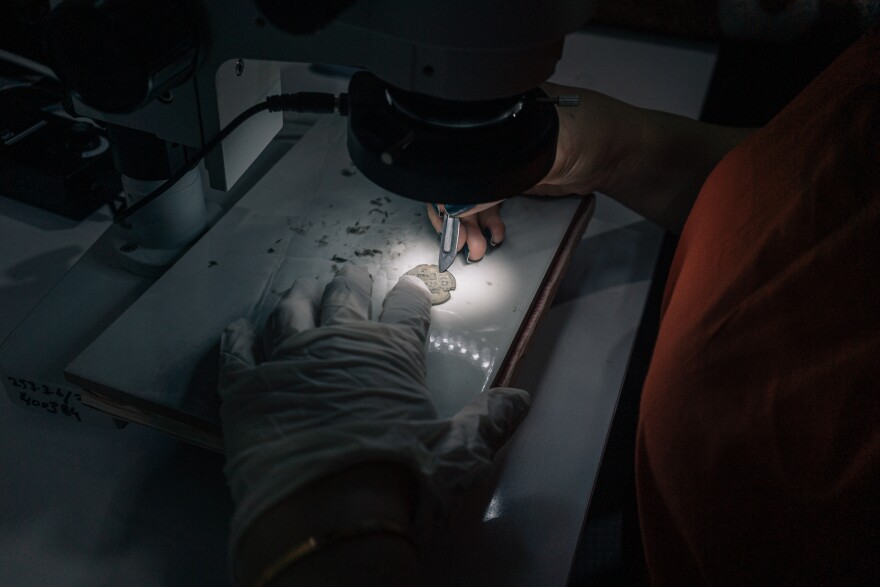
[[476, 356], [493, 510], [486, 364]]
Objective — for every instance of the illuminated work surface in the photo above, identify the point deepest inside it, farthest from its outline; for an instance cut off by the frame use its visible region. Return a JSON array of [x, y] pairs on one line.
[[311, 214], [104, 507]]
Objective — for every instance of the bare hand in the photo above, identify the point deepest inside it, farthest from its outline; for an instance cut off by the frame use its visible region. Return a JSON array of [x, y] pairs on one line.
[[586, 157], [585, 161], [481, 223]]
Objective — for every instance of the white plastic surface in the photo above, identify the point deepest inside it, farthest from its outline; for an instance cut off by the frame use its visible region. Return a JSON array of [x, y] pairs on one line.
[[312, 213]]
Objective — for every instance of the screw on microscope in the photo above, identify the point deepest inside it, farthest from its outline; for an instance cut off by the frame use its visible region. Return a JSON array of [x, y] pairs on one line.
[[564, 101], [388, 155]]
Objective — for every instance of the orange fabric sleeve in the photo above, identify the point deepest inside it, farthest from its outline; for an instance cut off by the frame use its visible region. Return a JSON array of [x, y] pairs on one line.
[[758, 456]]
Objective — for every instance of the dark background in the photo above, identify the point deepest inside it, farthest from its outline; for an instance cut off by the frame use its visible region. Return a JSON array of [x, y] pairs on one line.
[[751, 83]]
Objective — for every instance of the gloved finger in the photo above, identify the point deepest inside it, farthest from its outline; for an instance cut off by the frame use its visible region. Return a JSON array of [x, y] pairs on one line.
[[491, 222], [409, 304], [296, 311], [347, 297], [236, 350], [491, 418], [476, 242]]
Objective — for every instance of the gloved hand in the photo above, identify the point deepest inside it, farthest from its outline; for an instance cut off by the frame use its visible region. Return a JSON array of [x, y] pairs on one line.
[[304, 401]]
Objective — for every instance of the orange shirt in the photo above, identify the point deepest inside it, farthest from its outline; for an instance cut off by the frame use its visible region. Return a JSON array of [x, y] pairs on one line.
[[758, 458]]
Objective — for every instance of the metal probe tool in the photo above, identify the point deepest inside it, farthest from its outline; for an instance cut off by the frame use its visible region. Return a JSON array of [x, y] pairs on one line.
[[448, 241], [449, 233]]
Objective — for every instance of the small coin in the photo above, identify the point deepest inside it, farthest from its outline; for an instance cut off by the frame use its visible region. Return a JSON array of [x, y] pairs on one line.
[[440, 284]]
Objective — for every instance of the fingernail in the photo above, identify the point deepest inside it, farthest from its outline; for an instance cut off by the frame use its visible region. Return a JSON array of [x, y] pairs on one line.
[[467, 256], [488, 234]]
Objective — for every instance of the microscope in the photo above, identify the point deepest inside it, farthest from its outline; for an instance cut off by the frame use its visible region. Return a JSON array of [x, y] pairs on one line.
[[445, 107]]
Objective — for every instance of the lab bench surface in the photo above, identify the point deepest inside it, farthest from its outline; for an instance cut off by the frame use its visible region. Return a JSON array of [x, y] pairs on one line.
[[93, 505]]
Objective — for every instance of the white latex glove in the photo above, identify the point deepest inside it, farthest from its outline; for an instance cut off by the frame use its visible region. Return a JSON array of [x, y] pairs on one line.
[[346, 392]]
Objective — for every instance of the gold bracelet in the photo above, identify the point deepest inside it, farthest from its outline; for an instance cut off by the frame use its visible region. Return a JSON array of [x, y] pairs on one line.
[[313, 544]]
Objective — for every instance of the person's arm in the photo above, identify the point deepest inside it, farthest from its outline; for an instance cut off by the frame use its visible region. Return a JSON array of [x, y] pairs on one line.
[[331, 436], [335, 504], [651, 162]]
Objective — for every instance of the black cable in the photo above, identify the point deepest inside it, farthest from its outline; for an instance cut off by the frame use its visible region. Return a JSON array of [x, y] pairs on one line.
[[192, 163], [312, 102]]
